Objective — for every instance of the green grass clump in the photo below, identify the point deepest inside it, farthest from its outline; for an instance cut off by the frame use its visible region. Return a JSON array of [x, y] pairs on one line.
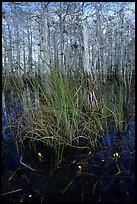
[[63, 117], [58, 114]]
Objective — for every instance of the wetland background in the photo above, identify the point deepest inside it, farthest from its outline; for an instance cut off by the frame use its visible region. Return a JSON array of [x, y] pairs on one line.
[[68, 101]]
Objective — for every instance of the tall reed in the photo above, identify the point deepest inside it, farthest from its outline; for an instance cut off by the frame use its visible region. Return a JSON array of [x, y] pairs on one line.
[[63, 117]]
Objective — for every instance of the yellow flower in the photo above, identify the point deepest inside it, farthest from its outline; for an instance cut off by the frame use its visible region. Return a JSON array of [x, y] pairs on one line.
[[79, 167], [39, 154], [117, 154]]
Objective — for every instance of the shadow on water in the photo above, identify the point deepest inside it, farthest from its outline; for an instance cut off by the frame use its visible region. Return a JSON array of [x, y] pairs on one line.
[[109, 175]]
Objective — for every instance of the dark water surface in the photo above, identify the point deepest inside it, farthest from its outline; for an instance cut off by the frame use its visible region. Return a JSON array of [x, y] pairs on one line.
[[102, 177]]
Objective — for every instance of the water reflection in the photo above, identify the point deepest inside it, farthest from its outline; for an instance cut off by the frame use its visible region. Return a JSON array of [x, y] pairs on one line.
[[110, 178]]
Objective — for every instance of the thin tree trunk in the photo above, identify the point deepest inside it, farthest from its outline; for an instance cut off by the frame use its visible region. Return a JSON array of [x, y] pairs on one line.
[[89, 87]]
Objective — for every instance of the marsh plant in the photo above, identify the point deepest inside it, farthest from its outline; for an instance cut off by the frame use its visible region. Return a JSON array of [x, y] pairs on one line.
[[63, 117], [56, 112]]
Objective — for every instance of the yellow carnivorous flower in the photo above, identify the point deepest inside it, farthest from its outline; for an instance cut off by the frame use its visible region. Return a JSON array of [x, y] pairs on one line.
[[39, 154], [116, 155]]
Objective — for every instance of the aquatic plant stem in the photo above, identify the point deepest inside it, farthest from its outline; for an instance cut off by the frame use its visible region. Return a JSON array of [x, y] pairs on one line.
[[26, 165], [10, 192]]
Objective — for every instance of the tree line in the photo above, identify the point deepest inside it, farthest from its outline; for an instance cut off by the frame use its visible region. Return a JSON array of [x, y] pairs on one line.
[[97, 37]]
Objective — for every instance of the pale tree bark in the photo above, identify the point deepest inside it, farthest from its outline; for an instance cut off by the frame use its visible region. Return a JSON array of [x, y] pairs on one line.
[[61, 37], [17, 37], [62, 40], [45, 42], [24, 53], [5, 69], [10, 50], [89, 91], [29, 50]]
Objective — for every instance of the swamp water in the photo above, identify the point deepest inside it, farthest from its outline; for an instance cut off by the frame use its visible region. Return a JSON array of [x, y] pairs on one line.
[[108, 175]]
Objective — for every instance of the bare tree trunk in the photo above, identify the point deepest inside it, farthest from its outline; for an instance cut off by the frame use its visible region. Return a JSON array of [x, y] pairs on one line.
[[24, 53], [5, 68], [45, 42], [89, 87], [29, 32]]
